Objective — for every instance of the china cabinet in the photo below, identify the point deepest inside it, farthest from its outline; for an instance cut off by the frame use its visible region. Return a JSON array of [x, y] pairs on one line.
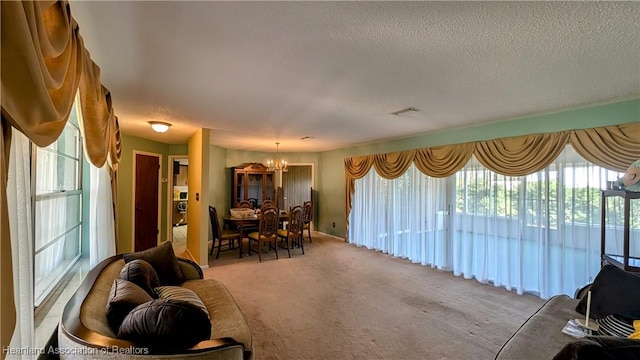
[[252, 182]]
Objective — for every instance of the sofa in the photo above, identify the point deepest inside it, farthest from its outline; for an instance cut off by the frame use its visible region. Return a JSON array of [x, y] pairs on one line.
[[86, 332], [615, 294]]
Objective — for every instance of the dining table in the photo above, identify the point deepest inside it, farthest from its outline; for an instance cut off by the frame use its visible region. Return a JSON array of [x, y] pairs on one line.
[[249, 221]]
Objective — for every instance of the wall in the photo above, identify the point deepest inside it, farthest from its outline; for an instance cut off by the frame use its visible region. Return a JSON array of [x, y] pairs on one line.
[[125, 188], [331, 185], [197, 203], [219, 181]]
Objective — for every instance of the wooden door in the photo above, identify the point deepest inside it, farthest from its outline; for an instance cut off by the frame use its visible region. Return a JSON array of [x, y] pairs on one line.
[[146, 202]]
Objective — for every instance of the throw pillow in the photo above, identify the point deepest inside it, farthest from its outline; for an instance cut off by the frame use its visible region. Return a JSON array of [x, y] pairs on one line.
[[163, 260], [166, 325], [123, 298], [615, 325], [142, 274], [614, 291], [180, 293]]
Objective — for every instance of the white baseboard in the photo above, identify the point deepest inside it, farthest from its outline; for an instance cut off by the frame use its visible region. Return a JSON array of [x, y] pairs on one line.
[[329, 235]]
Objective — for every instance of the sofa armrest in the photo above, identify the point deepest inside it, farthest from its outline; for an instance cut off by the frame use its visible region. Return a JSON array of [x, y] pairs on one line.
[[190, 269]]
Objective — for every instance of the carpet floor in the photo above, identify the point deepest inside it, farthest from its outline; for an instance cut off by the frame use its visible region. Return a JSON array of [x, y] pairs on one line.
[[339, 301]]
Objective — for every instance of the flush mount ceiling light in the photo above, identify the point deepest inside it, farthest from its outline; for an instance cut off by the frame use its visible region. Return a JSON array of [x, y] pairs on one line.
[[159, 126], [404, 111]]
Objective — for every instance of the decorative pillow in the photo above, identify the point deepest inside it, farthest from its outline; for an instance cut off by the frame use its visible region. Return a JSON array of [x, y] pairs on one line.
[[180, 293], [123, 298], [615, 325], [142, 274], [163, 260], [614, 291], [166, 325]]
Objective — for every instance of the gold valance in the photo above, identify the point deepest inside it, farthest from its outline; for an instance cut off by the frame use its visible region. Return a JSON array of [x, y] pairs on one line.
[[612, 147], [522, 155], [42, 55], [43, 62]]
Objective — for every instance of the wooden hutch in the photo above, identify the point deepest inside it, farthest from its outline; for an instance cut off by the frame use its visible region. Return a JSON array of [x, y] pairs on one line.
[[252, 182]]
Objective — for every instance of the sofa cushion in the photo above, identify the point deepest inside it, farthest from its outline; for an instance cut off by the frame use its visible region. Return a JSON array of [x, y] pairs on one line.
[[123, 298], [226, 318], [141, 273], [180, 293], [164, 261], [600, 348], [166, 325], [614, 291]]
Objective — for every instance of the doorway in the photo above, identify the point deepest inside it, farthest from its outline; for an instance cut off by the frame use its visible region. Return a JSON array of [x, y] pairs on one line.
[[146, 212], [178, 191]]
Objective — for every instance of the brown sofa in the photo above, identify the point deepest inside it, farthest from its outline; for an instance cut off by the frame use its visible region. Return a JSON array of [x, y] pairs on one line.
[[615, 292], [84, 332]]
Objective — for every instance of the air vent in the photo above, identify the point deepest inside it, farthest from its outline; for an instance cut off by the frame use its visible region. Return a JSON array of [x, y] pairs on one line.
[[404, 111]]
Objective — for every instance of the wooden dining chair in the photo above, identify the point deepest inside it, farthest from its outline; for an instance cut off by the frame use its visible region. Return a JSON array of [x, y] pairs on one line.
[[308, 217], [293, 233], [245, 204], [228, 236], [267, 232], [267, 204]]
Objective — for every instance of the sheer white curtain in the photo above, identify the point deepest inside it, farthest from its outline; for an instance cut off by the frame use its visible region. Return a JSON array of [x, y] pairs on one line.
[[404, 217], [19, 204], [101, 224], [538, 233]]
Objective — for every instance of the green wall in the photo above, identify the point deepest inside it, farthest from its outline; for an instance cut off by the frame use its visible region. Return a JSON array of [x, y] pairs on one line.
[[329, 165], [331, 186], [125, 188]]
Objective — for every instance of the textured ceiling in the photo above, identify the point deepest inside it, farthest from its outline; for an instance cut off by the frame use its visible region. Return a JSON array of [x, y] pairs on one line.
[[260, 72]]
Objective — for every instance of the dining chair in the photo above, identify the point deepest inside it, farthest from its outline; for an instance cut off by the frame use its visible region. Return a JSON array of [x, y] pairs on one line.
[[267, 204], [294, 229], [267, 231], [245, 204], [229, 236], [308, 217]]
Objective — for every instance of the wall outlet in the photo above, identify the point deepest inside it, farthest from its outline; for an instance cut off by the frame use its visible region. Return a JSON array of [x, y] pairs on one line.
[[334, 224]]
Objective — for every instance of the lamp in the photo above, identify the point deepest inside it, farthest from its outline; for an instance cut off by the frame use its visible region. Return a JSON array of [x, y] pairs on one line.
[[159, 126], [277, 165]]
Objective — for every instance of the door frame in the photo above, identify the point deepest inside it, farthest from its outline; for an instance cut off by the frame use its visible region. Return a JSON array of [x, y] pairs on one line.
[[170, 160], [133, 198]]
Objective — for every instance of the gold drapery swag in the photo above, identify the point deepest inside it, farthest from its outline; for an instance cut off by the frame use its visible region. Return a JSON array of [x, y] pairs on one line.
[[612, 147], [44, 64]]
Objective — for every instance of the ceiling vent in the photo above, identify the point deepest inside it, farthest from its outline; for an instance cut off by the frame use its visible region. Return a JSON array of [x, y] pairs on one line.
[[404, 111]]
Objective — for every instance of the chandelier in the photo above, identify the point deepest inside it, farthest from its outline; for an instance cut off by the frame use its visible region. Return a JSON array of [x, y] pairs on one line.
[[277, 165]]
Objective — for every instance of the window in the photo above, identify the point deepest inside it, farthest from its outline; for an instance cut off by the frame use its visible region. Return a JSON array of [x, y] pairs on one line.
[[538, 233], [57, 208]]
